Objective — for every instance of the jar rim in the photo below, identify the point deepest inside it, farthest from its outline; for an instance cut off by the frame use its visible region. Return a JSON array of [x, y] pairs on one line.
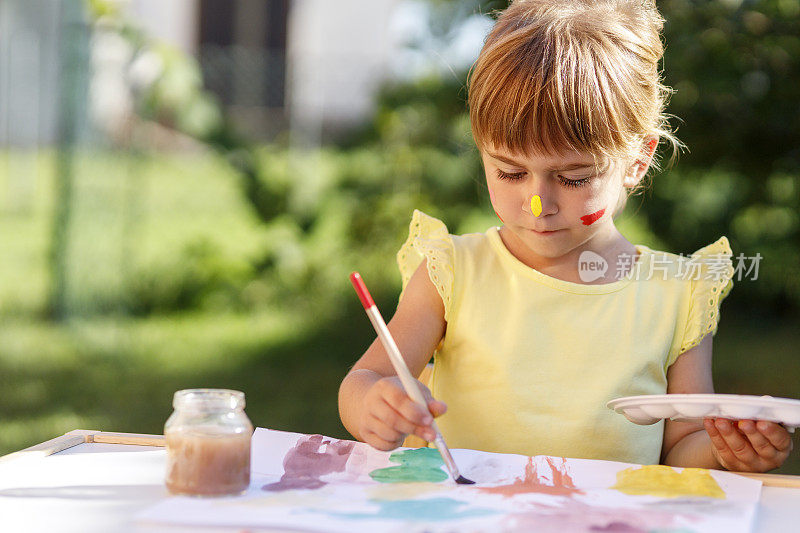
[[208, 399]]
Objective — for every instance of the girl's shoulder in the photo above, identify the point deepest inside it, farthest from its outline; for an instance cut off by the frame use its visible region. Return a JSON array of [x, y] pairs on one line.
[[710, 263], [705, 278], [430, 236], [429, 240]]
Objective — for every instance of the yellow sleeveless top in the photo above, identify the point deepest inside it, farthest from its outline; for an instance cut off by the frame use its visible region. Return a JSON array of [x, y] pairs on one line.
[[528, 361]]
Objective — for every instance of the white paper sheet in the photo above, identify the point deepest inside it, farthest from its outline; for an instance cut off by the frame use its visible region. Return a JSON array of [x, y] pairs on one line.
[[316, 483]]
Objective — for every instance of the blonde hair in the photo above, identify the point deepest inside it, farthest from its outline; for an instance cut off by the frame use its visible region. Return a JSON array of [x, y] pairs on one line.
[[561, 75]]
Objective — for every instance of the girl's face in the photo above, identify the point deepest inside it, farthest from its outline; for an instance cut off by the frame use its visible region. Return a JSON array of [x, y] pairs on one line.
[[575, 203]]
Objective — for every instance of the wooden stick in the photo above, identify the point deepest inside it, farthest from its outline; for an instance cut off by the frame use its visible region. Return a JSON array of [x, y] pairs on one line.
[[83, 436], [49, 447], [773, 480], [128, 438]]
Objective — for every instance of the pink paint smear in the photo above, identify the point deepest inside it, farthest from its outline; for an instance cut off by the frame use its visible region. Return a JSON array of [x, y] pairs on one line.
[[562, 484]]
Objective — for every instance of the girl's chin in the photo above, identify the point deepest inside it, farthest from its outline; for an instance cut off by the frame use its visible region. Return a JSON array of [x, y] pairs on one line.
[[550, 245]]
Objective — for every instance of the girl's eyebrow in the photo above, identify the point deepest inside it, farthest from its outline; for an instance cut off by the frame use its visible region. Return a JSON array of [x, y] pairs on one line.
[[571, 166]]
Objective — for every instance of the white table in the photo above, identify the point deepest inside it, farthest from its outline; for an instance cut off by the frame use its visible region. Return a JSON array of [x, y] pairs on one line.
[[96, 487]]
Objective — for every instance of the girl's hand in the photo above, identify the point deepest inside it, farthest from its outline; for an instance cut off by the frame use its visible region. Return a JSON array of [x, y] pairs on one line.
[[749, 445], [389, 414]]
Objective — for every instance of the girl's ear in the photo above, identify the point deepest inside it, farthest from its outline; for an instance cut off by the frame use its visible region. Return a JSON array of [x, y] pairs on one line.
[[636, 171]]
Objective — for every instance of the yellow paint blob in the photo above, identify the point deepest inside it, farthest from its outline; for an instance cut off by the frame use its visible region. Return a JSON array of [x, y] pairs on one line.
[[666, 482], [536, 205]]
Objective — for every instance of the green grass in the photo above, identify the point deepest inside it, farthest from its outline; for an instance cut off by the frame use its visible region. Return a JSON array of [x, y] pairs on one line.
[[118, 372], [119, 375], [129, 213]]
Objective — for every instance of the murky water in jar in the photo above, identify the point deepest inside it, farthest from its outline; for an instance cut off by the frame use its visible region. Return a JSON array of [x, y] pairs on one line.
[[207, 464]]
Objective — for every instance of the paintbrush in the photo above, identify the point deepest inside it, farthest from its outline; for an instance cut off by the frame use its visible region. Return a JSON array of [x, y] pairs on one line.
[[399, 364]]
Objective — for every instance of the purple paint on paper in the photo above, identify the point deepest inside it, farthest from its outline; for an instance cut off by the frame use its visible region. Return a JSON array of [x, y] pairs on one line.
[[312, 457]]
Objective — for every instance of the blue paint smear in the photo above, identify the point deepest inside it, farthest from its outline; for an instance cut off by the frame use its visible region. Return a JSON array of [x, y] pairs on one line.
[[433, 509]]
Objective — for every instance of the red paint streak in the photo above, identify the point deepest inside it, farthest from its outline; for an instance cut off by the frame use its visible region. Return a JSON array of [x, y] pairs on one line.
[[562, 484], [491, 197], [590, 219]]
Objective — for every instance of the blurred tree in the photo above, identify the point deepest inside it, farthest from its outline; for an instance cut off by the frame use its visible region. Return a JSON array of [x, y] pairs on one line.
[[735, 67], [73, 76]]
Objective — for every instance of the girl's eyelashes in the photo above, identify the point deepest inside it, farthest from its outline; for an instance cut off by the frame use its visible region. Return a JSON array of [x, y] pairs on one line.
[[566, 182], [573, 184], [510, 176]]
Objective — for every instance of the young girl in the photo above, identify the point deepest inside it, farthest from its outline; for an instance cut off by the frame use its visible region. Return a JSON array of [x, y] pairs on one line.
[[531, 336]]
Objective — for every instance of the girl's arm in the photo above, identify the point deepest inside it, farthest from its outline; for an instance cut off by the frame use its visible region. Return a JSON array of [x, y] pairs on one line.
[[372, 403], [749, 446]]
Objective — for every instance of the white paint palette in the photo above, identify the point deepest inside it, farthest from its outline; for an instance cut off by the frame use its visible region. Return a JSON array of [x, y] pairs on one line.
[[649, 409]]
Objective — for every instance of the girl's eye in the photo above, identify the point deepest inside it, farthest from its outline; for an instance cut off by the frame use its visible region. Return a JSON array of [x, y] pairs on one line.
[[510, 177], [573, 184]]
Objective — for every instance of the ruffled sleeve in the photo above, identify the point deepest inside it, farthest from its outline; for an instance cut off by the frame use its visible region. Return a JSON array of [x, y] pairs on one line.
[[429, 239], [710, 273]]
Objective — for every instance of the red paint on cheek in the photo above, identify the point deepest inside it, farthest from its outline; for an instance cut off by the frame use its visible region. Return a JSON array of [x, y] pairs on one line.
[[491, 197], [591, 218]]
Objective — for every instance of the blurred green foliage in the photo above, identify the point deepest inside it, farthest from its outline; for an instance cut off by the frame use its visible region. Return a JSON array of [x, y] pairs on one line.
[[735, 66]]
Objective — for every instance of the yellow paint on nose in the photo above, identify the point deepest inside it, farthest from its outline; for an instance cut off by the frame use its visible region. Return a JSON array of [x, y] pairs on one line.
[[536, 205]]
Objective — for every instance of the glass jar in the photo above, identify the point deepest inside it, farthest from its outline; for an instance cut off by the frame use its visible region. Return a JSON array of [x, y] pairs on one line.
[[208, 443]]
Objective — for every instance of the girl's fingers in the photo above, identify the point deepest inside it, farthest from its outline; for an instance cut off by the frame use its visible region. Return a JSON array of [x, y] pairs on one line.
[[419, 427], [758, 440], [724, 453], [425, 433], [777, 435], [380, 429], [414, 413], [392, 391], [756, 446], [437, 408], [395, 420], [737, 443], [377, 442], [395, 396]]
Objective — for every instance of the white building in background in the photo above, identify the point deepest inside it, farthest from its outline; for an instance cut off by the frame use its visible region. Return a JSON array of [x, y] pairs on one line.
[[309, 66], [29, 56], [312, 65]]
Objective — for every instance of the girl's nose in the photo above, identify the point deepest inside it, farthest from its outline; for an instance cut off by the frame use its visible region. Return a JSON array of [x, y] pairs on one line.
[[537, 206]]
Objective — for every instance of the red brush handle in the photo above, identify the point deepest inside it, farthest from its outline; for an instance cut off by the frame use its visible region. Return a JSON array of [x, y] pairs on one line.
[[361, 290]]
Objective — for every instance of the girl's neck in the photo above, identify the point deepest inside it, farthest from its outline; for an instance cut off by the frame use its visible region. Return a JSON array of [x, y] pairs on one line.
[[609, 243]]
